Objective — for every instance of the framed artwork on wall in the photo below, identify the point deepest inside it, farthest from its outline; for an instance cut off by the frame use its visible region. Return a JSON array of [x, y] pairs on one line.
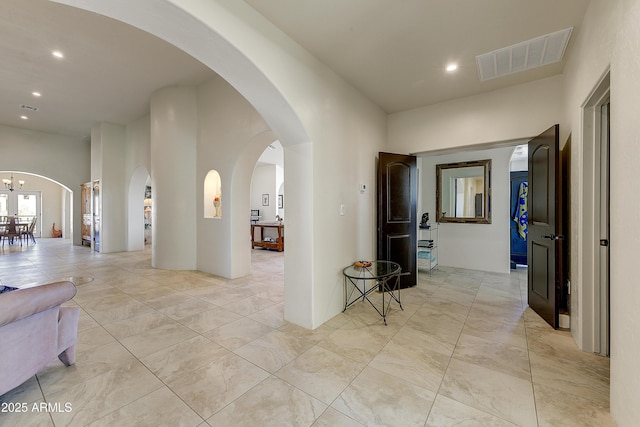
[[280, 201], [265, 200]]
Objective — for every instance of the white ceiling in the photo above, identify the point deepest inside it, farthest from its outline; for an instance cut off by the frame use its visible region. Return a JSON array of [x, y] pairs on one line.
[[108, 74], [393, 51]]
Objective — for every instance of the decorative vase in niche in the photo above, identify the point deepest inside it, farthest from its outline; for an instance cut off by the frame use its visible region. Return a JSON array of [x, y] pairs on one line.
[[216, 204]]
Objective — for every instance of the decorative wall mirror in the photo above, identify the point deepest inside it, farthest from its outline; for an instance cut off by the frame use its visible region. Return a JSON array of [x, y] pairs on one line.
[[463, 192]]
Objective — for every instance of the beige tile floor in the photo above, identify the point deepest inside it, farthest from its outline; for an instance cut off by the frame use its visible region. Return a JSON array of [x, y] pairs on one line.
[[180, 348]]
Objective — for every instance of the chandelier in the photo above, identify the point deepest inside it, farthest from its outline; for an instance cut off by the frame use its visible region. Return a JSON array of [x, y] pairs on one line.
[[8, 183]]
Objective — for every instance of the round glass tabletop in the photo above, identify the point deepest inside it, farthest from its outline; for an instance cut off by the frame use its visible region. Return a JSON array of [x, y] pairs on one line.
[[377, 270]]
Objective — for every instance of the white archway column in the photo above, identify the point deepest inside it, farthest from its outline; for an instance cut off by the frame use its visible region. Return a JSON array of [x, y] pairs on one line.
[[299, 261], [173, 178]]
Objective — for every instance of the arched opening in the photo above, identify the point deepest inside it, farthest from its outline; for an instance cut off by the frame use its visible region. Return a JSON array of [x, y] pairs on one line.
[[138, 210], [209, 40], [267, 224], [41, 197], [267, 183]]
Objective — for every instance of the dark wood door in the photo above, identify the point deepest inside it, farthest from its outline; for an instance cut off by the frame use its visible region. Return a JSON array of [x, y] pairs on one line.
[[397, 223], [545, 239]]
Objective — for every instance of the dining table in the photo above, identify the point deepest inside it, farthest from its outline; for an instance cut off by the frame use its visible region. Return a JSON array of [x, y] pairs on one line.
[[21, 227]]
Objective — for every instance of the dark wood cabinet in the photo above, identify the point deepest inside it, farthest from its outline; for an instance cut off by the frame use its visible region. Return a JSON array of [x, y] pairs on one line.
[[275, 242]]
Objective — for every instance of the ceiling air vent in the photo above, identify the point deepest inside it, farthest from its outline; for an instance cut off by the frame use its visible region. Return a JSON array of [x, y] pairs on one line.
[[29, 107], [523, 56]]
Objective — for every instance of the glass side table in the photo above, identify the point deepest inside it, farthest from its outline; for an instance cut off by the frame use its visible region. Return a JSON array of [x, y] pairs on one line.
[[380, 275]]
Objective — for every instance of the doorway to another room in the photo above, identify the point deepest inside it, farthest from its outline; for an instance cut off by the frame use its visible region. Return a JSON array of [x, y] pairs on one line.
[[140, 211], [518, 225], [27, 196], [267, 202], [594, 247]]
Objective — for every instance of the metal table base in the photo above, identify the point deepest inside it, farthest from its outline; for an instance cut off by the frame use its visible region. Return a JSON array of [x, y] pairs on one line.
[[383, 276]]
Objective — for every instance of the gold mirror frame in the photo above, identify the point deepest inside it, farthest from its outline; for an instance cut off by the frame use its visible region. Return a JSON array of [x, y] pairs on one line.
[[445, 216]]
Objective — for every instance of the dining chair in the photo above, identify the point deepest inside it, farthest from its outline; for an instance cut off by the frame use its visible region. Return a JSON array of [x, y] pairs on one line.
[[12, 231], [28, 232], [3, 233]]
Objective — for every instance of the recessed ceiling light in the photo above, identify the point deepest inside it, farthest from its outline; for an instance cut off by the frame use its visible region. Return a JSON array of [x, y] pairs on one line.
[[452, 67], [57, 54], [24, 117], [36, 94]]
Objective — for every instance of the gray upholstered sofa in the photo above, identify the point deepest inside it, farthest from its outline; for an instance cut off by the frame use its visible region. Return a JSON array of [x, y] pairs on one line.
[[34, 329]]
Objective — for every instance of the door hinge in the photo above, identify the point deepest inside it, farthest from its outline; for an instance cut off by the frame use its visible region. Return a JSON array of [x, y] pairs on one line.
[[604, 242]]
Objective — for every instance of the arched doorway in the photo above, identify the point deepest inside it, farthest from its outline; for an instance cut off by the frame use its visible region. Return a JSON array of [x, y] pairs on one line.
[[136, 206], [40, 196], [268, 178], [208, 40], [266, 200]]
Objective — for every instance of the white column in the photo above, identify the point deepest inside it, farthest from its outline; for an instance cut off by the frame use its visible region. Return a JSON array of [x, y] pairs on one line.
[[301, 302], [173, 178], [107, 167]]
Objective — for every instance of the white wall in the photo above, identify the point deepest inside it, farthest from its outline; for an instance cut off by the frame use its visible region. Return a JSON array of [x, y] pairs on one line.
[[273, 156], [66, 161], [475, 246], [625, 228], [267, 179], [591, 58], [519, 165], [52, 204], [138, 145], [513, 113], [609, 38], [229, 141], [264, 181]]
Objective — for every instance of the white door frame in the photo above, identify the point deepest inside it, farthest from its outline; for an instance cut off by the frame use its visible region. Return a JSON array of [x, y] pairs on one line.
[[602, 227], [38, 195], [590, 307]]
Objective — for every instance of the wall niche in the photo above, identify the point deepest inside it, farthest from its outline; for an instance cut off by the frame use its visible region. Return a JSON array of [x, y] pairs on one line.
[[212, 195]]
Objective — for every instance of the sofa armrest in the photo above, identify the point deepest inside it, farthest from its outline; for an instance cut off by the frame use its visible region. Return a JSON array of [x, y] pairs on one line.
[[21, 303]]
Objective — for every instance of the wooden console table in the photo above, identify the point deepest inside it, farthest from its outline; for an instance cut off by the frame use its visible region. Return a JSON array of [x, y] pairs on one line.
[[261, 243]]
